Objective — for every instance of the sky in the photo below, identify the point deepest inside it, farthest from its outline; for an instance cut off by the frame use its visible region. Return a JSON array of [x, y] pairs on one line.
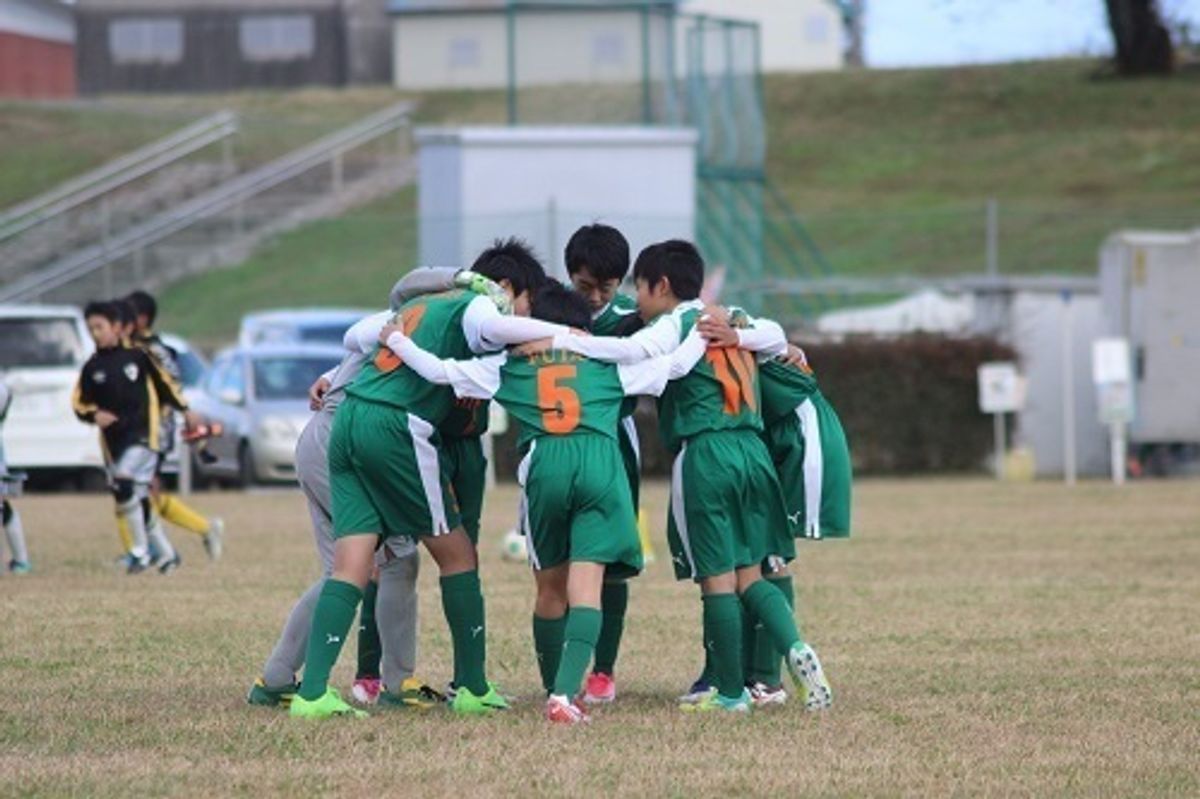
[[939, 32]]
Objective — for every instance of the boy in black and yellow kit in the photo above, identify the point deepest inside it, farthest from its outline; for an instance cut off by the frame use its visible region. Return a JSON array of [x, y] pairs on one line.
[[121, 390]]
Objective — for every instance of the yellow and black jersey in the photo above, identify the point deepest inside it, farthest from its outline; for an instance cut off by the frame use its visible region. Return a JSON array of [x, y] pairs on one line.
[[130, 384], [167, 358]]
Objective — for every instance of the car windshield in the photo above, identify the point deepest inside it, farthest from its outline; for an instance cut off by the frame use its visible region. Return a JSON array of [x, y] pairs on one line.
[[288, 377], [329, 333], [191, 368], [39, 341]]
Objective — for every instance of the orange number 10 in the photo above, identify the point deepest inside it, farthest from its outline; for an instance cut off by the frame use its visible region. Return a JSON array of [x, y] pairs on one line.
[[559, 403], [738, 385], [388, 361]]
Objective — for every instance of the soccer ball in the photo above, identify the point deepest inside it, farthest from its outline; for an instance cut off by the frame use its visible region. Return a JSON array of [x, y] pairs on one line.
[[512, 546]]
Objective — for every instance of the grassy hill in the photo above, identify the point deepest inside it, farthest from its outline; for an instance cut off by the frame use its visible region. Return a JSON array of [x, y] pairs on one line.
[[890, 171]]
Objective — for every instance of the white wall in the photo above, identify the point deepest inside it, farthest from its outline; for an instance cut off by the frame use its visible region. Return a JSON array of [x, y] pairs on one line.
[[795, 35], [38, 19], [470, 50], [478, 184]]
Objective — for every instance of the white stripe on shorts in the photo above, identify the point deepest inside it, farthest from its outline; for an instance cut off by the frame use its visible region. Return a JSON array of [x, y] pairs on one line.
[[523, 507], [814, 468], [631, 433], [430, 472], [677, 508]]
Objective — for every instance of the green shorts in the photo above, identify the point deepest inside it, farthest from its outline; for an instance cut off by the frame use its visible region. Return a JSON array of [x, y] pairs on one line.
[[465, 469], [631, 456], [385, 474], [813, 461], [726, 506], [575, 504]]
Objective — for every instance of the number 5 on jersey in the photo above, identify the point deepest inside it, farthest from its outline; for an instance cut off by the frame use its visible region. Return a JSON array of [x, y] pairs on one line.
[[559, 403]]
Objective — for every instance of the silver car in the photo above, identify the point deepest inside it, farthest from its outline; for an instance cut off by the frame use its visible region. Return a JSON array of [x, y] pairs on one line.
[[260, 397], [298, 326]]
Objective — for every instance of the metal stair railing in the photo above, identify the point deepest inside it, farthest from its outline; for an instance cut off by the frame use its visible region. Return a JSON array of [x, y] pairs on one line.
[[227, 196], [115, 174]]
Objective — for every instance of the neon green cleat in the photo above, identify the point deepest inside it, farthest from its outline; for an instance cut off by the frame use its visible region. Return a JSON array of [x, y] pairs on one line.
[[807, 674], [468, 704], [329, 705], [266, 696], [714, 701], [413, 693]]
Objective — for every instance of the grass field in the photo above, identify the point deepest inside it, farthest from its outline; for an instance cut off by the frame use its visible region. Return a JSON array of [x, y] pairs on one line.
[[981, 639]]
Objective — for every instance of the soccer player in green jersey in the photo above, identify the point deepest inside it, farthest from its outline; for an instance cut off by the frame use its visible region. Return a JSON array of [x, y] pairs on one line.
[[576, 510], [597, 260], [386, 479], [727, 511]]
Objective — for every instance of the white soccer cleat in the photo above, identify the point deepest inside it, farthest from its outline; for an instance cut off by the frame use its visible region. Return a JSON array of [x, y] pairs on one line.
[[763, 695], [214, 539], [806, 671]]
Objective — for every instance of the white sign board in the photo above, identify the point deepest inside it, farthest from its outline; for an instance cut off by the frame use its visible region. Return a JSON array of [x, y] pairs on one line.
[[1000, 388], [1110, 361]]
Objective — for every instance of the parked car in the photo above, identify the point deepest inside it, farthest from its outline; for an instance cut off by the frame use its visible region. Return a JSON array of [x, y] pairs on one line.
[[260, 397], [42, 348], [298, 326], [192, 365]]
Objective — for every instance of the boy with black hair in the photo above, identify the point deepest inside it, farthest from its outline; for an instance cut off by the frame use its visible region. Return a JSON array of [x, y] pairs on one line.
[[119, 390], [597, 261], [10, 486], [576, 512], [386, 478], [171, 508], [727, 512]]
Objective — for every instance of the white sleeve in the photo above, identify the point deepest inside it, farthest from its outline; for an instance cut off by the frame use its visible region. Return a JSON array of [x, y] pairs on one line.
[[651, 376], [477, 378], [766, 337], [363, 335], [488, 330], [660, 338]]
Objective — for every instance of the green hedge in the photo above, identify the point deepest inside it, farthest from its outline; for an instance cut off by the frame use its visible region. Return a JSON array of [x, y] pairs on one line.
[[909, 405]]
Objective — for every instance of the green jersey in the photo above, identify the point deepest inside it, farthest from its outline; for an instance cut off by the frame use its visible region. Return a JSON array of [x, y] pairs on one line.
[[467, 419], [721, 392], [784, 389], [621, 308], [559, 393], [435, 322]]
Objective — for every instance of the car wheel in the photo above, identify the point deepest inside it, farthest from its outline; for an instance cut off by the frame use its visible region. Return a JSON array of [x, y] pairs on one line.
[[245, 477]]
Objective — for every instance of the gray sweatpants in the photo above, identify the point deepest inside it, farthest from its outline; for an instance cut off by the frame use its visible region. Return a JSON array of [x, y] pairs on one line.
[[396, 605]]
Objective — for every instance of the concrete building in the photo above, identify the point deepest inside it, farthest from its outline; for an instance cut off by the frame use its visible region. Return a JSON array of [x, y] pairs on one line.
[[795, 35], [37, 49]]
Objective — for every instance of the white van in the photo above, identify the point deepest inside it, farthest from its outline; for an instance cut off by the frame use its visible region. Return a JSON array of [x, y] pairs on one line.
[[42, 349]]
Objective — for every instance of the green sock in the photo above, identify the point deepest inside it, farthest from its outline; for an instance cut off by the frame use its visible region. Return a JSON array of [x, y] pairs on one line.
[[462, 602], [751, 665], [614, 599], [723, 639], [579, 644], [331, 622], [548, 644], [369, 648], [768, 605], [767, 660]]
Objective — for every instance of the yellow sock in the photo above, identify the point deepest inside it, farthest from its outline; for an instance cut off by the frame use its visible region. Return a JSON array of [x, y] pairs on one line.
[[644, 535], [179, 514], [123, 533]]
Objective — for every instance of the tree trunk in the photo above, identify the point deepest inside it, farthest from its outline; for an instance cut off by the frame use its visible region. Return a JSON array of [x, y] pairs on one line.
[[1143, 43]]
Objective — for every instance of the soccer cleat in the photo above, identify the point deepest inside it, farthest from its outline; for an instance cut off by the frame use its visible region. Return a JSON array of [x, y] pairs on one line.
[[714, 701], [366, 690], [466, 703], [168, 566], [763, 695], [214, 539], [807, 674], [560, 710], [329, 705], [412, 693], [600, 689], [265, 696], [19, 567], [136, 565], [699, 691]]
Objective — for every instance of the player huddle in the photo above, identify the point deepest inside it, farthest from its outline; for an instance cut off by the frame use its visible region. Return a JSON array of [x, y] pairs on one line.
[[393, 457]]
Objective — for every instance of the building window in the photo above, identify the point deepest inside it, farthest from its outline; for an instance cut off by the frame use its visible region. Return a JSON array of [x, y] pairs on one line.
[[608, 49], [816, 29], [463, 53], [146, 40], [280, 37]]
